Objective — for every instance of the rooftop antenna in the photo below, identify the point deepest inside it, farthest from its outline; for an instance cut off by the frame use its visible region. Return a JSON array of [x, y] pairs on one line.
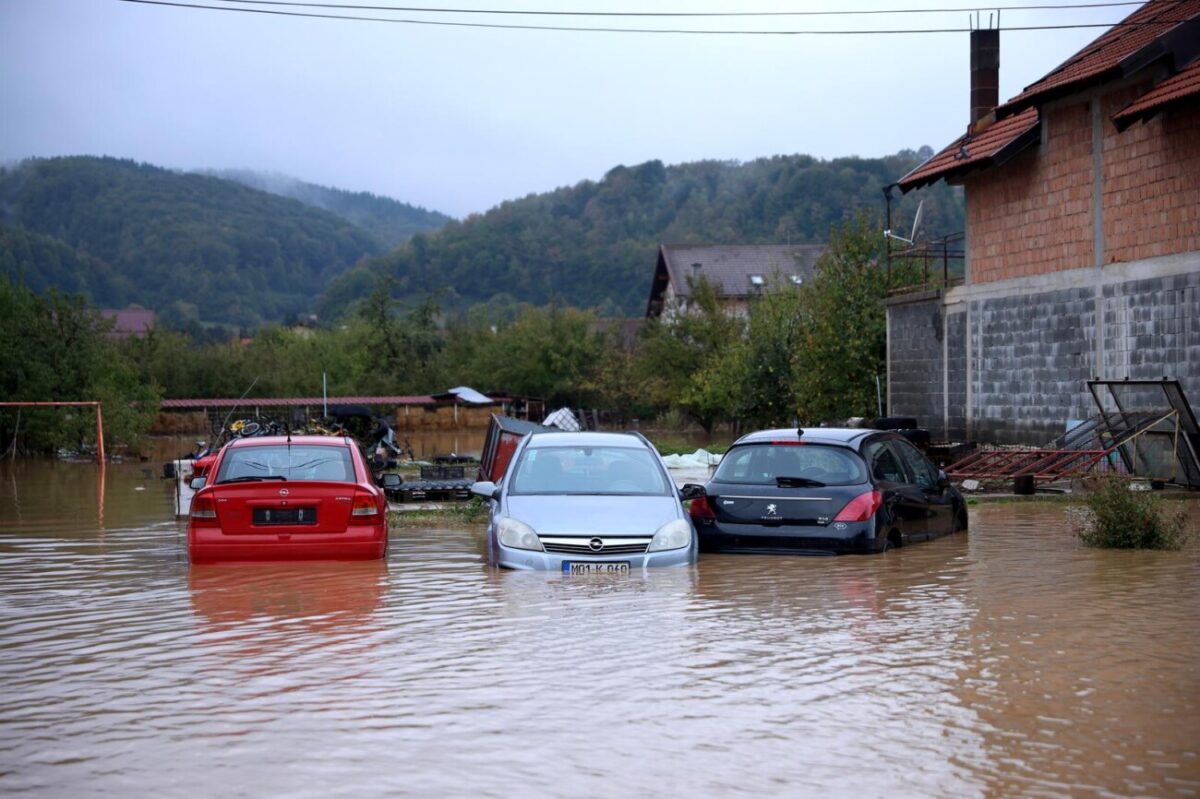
[[916, 227]]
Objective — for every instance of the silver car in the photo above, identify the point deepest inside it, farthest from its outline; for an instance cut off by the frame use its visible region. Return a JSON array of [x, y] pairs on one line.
[[587, 503]]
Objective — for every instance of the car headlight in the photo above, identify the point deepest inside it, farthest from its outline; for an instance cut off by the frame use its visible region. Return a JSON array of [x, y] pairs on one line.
[[672, 535], [518, 535]]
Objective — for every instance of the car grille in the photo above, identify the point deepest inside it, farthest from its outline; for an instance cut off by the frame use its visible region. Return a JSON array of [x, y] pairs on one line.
[[582, 546]]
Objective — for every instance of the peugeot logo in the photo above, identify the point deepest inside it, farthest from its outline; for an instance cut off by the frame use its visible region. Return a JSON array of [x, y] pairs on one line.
[[596, 544], [771, 509], [283, 492]]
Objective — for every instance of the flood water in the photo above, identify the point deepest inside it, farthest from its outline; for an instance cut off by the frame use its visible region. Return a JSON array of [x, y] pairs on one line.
[[1008, 661]]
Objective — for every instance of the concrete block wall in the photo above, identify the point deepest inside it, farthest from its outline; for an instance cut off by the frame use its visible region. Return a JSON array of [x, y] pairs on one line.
[[915, 332], [1031, 356], [1012, 363]]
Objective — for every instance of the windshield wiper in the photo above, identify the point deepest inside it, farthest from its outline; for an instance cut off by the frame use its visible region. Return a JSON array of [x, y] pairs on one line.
[[798, 482], [253, 478]]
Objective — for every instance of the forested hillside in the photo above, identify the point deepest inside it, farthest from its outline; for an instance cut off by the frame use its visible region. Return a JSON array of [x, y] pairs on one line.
[[594, 244], [390, 221], [192, 247], [42, 262]]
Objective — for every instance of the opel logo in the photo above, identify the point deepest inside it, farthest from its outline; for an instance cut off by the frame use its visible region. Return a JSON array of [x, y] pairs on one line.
[[283, 492], [596, 544]]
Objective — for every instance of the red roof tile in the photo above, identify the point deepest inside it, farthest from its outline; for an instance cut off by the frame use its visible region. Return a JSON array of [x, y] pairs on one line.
[[994, 144], [1106, 53], [1178, 87]]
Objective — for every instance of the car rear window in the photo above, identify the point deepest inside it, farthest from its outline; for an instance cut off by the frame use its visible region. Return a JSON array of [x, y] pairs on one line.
[[764, 464], [588, 470], [297, 462]]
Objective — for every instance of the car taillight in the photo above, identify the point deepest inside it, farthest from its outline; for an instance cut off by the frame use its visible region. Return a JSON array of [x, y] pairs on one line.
[[365, 506], [860, 508], [701, 510], [204, 512]]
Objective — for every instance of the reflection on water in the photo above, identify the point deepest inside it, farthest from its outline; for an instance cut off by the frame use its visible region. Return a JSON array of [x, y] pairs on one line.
[[1006, 662]]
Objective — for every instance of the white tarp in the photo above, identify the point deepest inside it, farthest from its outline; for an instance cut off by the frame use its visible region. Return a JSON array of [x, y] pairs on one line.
[[699, 458], [563, 419], [470, 395]]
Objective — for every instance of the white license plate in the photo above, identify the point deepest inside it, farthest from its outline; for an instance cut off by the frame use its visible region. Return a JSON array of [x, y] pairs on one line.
[[611, 567]]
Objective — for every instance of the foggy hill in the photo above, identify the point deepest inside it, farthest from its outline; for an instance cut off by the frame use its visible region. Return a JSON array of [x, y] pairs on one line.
[[197, 249], [594, 244], [390, 221]]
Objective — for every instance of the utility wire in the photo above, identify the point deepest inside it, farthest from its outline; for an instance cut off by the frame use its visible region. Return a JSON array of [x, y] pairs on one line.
[[700, 32], [835, 13]]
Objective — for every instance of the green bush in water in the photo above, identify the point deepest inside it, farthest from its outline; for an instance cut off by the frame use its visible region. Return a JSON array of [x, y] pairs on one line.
[[1124, 519]]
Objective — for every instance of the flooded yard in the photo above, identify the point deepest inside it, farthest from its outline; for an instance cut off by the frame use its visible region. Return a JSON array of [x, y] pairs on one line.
[[1008, 661]]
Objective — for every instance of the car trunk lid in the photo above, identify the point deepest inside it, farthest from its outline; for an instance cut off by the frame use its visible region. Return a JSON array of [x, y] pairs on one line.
[[292, 507]]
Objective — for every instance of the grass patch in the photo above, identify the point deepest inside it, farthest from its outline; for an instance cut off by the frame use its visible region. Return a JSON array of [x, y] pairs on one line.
[[1117, 518], [473, 511]]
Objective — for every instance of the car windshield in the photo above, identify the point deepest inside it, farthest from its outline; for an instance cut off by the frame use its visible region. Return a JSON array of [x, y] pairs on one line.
[[588, 470], [286, 462], [791, 465]]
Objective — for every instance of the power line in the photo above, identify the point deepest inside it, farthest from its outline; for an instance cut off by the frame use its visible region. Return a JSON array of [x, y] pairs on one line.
[[835, 13], [687, 31]]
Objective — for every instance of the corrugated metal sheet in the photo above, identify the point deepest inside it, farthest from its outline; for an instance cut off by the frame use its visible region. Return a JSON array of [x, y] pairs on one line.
[[292, 402]]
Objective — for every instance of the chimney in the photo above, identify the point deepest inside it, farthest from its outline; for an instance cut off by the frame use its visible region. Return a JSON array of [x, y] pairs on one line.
[[985, 72]]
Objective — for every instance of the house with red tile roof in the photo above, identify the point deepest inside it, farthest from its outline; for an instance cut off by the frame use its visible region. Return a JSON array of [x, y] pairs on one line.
[[1082, 240]]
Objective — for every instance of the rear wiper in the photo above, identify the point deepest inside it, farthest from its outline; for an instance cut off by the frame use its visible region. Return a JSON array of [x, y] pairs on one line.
[[253, 478], [798, 482]]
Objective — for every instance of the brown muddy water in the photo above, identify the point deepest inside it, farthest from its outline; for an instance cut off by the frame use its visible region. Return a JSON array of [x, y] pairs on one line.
[[1005, 662]]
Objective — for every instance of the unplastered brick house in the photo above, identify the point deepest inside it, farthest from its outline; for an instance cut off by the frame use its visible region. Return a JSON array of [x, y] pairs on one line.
[[1082, 255]]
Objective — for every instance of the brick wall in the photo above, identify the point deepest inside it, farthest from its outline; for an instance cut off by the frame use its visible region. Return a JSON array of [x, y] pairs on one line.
[[1151, 187], [1034, 215]]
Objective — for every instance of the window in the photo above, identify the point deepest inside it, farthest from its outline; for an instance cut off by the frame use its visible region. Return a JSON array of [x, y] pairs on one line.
[[885, 463], [761, 464], [299, 462], [588, 470], [923, 472]]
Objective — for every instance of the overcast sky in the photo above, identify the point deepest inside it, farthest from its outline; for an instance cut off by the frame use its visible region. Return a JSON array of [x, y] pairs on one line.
[[460, 119]]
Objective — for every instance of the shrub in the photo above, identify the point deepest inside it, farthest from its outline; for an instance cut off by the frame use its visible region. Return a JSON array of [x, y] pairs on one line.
[[1122, 519]]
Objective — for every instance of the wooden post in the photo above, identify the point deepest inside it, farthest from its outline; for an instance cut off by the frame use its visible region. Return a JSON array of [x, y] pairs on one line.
[[99, 434]]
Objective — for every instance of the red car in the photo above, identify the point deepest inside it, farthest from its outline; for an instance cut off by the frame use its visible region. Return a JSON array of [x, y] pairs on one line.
[[278, 498]]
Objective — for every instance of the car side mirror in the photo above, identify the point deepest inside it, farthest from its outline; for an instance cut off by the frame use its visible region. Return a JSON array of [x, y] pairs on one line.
[[486, 489], [943, 482], [691, 491], [198, 483]]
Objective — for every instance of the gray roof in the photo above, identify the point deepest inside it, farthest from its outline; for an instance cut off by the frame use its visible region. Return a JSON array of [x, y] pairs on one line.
[[730, 267], [832, 435], [586, 439]]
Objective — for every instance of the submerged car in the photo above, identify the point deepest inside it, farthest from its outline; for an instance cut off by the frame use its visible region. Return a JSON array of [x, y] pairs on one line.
[[277, 498], [586, 503], [823, 491]]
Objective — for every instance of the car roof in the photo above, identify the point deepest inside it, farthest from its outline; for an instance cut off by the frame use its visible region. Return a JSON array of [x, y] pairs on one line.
[[811, 435], [587, 439], [258, 441]]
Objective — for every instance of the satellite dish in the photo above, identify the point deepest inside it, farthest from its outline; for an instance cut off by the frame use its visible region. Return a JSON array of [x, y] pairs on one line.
[[915, 228], [916, 222]]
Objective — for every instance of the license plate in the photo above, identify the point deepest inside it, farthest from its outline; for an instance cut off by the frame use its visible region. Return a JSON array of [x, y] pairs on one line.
[[264, 516], [608, 567]]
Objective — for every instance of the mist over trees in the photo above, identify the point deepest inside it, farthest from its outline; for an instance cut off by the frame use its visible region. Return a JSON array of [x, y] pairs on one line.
[[195, 249], [390, 221]]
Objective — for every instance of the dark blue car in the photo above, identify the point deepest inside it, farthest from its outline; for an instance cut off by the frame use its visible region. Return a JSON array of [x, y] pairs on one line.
[[825, 491]]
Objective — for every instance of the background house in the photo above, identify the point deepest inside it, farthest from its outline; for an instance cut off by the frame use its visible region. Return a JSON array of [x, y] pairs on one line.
[[738, 272], [1082, 239]]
